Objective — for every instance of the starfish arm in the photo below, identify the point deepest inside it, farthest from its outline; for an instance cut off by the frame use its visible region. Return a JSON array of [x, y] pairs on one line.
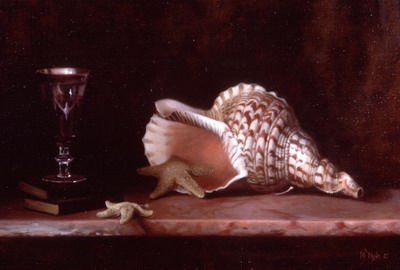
[[198, 170], [164, 185], [153, 170], [188, 183], [126, 214], [110, 204], [111, 211], [143, 210]]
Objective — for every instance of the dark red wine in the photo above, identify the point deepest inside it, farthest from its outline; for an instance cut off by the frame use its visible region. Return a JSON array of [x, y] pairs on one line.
[[63, 89], [66, 101]]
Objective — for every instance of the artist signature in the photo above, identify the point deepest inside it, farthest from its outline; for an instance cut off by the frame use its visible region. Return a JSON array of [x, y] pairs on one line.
[[373, 255]]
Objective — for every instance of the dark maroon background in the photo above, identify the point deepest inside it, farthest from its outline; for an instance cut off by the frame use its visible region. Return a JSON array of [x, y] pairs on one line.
[[335, 62]]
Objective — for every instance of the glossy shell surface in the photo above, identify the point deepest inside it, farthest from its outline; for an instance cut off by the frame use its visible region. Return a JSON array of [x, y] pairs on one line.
[[248, 133]]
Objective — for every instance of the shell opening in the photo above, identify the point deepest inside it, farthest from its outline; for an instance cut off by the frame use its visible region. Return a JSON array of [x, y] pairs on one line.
[[349, 186]]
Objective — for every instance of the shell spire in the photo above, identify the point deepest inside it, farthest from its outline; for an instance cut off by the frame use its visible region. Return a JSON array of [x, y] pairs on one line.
[[248, 133], [305, 168]]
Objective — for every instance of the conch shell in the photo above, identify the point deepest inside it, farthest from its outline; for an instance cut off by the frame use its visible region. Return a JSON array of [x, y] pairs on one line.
[[248, 133]]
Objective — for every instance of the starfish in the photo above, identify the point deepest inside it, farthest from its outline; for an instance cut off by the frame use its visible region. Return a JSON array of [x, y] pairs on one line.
[[124, 209], [175, 172]]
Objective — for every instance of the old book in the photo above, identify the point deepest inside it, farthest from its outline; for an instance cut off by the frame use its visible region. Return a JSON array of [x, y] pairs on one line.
[[57, 191], [66, 206]]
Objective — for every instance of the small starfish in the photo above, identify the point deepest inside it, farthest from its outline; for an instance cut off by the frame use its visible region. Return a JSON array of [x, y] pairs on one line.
[[175, 172], [124, 209]]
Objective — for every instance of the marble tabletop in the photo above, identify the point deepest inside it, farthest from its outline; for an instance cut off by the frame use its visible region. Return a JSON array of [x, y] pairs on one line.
[[292, 214]]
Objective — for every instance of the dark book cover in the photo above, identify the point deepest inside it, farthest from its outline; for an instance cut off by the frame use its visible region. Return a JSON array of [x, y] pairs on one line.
[[64, 206], [58, 191]]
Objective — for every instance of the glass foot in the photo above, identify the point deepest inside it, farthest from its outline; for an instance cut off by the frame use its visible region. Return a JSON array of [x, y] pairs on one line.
[[70, 179]]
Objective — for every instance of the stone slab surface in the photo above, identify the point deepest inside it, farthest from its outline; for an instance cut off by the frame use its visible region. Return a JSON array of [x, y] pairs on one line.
[[295, 214]]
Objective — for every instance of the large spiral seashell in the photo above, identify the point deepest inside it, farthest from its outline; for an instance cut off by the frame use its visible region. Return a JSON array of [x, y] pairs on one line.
[[248, 133]]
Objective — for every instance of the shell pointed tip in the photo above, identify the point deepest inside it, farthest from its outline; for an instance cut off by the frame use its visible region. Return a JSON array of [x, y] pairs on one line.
[[359, 193]]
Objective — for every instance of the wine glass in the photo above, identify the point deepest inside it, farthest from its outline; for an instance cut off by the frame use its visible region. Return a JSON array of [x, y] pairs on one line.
[[63, 88]]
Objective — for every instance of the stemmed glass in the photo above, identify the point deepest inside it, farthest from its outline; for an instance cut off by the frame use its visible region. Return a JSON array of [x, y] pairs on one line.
[[63, 88]]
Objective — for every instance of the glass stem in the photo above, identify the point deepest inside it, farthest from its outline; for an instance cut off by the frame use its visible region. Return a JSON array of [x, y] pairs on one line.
[[63, 159]]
